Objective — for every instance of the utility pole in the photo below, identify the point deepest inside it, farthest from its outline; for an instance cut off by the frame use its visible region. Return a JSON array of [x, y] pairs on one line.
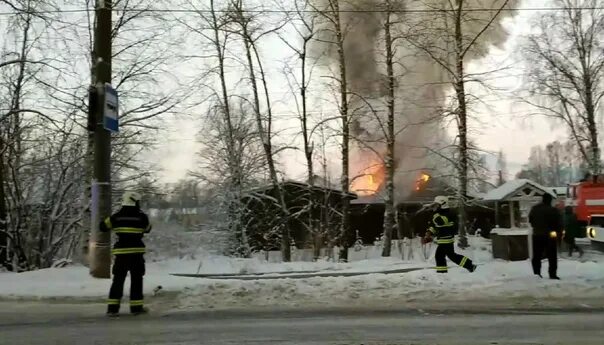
[[100, 246]]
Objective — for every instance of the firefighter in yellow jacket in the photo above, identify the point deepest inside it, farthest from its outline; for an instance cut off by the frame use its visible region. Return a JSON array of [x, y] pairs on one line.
[[130, 224], [443, 225]]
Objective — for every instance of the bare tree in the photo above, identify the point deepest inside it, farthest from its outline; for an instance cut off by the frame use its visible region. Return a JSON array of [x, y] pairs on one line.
[[40, 165], [565, 64], [390, 48], [554, 157], [17, 121], [553, 165], [536, 168], [455, 34], [389, 123], [336, 35], [229, 159], [230, 170], [479, 175], [329, 216], [246, 25], [142, 61], [32, 72], [299, 77], [502, 169], [54, 173]]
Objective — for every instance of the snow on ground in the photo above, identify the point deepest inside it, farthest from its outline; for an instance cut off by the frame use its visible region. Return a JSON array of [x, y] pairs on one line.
[[75, 281], [495, 279]]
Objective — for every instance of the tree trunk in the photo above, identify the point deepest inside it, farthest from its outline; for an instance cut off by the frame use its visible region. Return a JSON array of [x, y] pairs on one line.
[[390, 216], [345, 180], [12, 162], [462, 122], [308, 153], [4, 249], [594, 159]]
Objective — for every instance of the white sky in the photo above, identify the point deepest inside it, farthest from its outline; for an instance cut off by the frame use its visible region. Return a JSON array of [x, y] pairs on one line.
[[503, 125]]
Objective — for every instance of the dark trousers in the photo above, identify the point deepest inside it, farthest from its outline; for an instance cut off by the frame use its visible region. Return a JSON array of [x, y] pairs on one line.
[[444, 251], [572, 245], [543, 244], [124, 263]]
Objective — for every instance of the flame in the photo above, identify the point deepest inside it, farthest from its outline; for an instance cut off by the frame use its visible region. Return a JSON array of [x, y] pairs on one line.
[[370, 180], [421, 181]]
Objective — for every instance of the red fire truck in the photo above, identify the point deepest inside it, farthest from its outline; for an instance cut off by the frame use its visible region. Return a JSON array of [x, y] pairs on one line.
[[586, 197]]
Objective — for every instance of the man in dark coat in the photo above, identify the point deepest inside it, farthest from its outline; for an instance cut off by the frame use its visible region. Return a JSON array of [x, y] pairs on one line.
[[572, 230], [547, 228]]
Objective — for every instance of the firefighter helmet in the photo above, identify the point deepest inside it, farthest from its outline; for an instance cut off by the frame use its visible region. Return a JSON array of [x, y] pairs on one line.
[[442, 201], [131, 199]]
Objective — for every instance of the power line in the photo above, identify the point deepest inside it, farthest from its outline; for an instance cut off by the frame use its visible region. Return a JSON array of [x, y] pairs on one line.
[[416, 11]]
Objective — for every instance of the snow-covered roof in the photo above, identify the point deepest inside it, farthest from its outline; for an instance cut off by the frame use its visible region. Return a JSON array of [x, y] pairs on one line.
[[368, 199], [301, 185], [559, 190], [510, 187], [512, 232]]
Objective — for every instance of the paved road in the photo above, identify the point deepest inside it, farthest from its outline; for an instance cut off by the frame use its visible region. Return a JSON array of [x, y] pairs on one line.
[[62, 324]]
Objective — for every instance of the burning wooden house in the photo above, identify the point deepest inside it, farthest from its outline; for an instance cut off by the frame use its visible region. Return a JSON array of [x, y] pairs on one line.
[[367, 212], [317, 226]]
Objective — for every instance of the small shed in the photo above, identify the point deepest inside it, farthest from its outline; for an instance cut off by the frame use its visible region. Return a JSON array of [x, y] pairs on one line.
[[513, 201]]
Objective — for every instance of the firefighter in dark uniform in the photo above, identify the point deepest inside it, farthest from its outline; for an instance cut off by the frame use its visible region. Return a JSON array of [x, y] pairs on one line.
[[443, 225], [547, 228], [130, 224]]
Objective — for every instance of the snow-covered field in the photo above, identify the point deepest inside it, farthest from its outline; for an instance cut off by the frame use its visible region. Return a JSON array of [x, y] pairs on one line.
[[494, 279]]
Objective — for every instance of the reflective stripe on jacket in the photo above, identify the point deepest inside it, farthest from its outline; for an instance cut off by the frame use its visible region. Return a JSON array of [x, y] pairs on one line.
[[444, 226], [129, 224]]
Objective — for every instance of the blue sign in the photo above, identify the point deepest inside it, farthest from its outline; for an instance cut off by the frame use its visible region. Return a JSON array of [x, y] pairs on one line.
[[111, 109]]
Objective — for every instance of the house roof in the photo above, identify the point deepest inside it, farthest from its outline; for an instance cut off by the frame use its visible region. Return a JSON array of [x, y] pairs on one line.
[[510, 189], [434, 187], [367, 199], [301, 185]]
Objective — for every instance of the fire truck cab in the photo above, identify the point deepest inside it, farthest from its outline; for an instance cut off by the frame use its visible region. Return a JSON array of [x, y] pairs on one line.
[[587, 200]]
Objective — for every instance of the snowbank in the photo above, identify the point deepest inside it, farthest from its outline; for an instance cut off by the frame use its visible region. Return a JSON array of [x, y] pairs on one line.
[[75, 281], [494, 280]]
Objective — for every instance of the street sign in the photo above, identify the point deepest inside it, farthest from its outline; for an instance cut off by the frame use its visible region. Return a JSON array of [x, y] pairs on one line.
[[111, 109]]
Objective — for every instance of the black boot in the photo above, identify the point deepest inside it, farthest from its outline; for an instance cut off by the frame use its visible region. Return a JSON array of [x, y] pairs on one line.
[[139, 310], [113, 310]]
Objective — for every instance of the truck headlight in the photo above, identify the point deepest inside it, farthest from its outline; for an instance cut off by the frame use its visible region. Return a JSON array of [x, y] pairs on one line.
[[591, 232]]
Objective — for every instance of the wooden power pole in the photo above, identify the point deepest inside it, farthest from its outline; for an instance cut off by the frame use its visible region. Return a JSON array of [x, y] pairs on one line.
[[100, 246]]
